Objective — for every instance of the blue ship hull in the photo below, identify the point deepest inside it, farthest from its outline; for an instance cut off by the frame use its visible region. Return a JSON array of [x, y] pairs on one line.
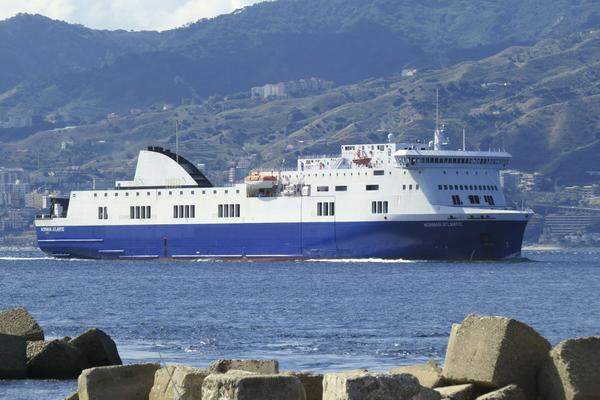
[[447, 240]]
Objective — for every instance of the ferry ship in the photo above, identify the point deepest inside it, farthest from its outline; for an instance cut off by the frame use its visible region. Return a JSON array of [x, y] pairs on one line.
[[386, 200]]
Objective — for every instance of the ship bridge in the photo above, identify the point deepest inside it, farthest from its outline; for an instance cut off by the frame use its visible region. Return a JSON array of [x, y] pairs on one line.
[[421, 158]]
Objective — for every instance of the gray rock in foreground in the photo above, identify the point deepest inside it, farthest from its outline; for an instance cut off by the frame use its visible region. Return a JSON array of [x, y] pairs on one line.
[[55, 359], [122, 382], [458, 392], [429, 374], [362, 385], [249, 386], [495, 352], [256, 366], [178, 382], [510, 392], [313, 383], [98, 348], [427, 394], [572, 371], [13, 358], [18, 322]]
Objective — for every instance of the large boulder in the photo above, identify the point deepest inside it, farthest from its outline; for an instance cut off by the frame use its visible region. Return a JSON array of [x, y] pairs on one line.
[[313, 383], [249, 386], [495, 352], [98, 348], [178, 382], [362, 385], [13, 357], [429, 374], [257, 366], [510, 392], [572, 371], [459, 392], [427, 394], [18, 322], [54, 359], [122, 382], [72, 396]]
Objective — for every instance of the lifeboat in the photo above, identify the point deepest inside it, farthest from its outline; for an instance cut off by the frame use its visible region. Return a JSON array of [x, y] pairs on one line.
[[257, 181], [361, 158]]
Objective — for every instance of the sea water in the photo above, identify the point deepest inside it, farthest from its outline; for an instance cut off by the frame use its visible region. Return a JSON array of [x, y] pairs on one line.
[[311, 315]]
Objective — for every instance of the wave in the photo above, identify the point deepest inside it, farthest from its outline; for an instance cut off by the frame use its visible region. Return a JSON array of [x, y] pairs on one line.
[[360, 260], [25, 258]]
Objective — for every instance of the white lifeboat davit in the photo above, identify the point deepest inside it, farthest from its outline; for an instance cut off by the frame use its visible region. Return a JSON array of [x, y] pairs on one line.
[[257, 181]]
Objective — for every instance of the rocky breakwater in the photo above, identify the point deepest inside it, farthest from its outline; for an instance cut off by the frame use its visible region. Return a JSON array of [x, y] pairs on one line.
[[25, 354], [487, 358]]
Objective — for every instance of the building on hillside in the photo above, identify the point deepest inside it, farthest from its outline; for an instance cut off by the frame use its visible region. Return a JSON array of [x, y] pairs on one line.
[[557, 227], [513, 180], [36, 200], [509, 180], [291, 88], [13, 187]]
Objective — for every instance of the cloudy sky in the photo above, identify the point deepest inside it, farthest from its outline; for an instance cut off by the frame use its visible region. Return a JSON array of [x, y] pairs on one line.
[[124, 14]]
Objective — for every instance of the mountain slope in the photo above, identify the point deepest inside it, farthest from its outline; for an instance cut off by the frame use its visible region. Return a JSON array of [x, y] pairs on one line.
[[541, 102], [90, 73]]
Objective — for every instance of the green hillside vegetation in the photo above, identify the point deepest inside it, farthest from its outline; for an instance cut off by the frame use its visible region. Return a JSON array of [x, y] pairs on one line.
[[539, 102], [83, 74]]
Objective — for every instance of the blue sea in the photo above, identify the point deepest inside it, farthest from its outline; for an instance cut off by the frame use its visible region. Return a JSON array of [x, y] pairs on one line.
[[321, 316]]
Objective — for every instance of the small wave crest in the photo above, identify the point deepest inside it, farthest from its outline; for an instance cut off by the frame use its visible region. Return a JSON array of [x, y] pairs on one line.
[[361, 260]]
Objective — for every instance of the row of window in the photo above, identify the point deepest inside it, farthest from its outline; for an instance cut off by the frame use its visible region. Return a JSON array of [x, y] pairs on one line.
[[468, 187], [102, 213], [450, 160], [379, 207], [410, 187], [474, 199], [184, 211], [140, 212], [229, 210], [181, 192], [325, 209]]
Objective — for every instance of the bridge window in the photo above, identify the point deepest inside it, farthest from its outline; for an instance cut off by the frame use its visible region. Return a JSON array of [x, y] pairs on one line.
[[325, 209], [102, 212], [372, 187], [341, 188], [322, 188], [379, 207], [379, 172], [456, 200], [474, 199], [228, 210]]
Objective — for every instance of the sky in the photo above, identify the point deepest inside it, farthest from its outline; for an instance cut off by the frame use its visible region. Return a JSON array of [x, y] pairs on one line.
[[124, 14]]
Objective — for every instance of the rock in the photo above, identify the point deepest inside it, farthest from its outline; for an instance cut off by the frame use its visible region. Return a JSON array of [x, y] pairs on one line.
[[429, 374], [495, 352], [361, 385], [178, 382], [13, 357], [98, 348], [510, 392], [458, 392], [313, 383], [73, 396], [239, 386], [18, 322], [122, 382], [257, 366], [427, 394], [572, 371], [55, 359]]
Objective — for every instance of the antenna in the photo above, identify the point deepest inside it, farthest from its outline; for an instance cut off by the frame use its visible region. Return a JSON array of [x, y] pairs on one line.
[[437, 109], [177, 141], [464, 139]]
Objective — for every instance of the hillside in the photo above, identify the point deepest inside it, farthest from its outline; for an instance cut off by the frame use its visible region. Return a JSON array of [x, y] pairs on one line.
[[84, 74], [540, 102]]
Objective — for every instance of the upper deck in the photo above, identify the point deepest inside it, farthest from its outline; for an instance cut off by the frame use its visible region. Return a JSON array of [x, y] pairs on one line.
[[404, 155]]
